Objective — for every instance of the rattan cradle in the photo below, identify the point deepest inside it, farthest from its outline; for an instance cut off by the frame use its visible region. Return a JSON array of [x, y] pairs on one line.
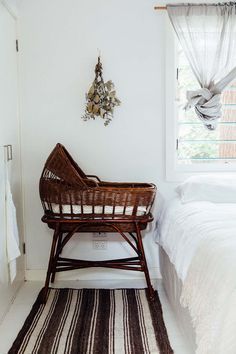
[[74, 202]]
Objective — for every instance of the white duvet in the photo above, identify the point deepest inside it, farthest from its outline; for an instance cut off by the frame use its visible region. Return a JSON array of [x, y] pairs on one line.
[[200, 240]]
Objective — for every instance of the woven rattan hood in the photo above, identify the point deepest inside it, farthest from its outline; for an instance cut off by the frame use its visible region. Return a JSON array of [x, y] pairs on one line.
[[63, 167]]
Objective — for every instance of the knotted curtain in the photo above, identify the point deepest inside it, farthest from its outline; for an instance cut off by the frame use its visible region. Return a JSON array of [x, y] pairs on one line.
[[207, 34]]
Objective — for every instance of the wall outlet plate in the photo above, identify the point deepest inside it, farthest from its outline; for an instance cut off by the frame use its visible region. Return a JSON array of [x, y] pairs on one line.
[[100, 245]]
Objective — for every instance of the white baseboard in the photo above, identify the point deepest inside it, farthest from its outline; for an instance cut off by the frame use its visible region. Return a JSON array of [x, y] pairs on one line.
[[92, 274]]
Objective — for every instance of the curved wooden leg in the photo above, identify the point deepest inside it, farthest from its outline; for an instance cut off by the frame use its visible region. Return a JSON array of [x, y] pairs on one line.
[[50, 263], [144, 263], [56, 255]]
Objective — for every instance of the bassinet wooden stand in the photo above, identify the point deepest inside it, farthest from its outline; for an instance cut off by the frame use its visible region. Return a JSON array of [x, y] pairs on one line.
[[74, 203]]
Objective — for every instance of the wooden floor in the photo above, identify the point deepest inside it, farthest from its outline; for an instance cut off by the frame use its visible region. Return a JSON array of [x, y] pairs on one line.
[[26, 296]]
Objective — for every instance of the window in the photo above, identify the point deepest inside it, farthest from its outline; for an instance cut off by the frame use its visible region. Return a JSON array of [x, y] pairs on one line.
[[190, 147]]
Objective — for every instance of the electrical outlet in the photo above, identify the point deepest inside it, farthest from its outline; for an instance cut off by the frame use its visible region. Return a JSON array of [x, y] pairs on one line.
[[100, 245]]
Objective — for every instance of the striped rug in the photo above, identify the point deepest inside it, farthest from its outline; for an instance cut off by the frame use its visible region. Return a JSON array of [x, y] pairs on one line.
[[94, 321]]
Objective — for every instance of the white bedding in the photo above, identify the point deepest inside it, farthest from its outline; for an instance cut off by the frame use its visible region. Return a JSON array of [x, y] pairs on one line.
[[98, 209], [200, 240], [182, 227]]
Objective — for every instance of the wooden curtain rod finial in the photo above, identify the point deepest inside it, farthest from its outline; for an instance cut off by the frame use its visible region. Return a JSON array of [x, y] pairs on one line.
[[160, 8]]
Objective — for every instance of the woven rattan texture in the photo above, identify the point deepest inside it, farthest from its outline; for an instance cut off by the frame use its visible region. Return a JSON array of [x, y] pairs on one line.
[[64, 183]]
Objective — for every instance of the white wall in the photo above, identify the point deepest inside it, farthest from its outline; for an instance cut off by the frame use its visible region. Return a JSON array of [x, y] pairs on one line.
[[58, 52], [11, 6]]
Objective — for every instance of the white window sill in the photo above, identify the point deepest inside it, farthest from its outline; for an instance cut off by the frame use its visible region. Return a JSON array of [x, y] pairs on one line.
[[182, 172]]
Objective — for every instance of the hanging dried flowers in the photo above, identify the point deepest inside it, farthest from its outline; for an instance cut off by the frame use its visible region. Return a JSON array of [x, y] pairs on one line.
[[101, 98]]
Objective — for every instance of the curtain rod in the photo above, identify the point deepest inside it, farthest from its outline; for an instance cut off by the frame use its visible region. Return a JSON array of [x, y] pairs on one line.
[[160, 8], [211, 4]]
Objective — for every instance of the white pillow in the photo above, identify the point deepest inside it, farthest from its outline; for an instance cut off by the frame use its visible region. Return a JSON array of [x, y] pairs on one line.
[[216, 188]]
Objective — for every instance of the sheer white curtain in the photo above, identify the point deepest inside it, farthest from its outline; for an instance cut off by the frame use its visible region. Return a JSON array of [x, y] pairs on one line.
[[207, 34]]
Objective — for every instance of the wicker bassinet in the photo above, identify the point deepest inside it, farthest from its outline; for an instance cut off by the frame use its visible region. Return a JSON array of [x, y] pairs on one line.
[[74, 202], [68, 193]]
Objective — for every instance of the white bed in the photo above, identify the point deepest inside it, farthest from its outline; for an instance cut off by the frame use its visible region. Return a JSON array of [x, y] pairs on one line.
[[198, 263], [173, 289]]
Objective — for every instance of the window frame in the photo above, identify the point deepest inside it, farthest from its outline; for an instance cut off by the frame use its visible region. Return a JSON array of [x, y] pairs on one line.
[[175, 172]]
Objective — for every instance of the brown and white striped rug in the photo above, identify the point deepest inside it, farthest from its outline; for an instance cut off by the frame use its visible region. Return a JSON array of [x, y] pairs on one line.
[[94, 321]]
